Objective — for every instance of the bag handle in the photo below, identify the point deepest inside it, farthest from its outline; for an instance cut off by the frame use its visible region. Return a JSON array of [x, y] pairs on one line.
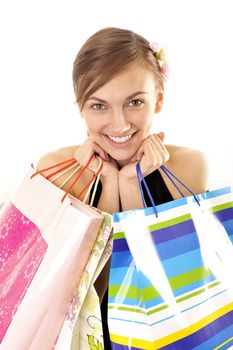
[[170, 175], [79, 175], [76, 168], [95, 186], [70, 163]]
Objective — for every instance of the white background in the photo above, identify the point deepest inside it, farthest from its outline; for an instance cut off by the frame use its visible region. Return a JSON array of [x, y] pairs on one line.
[[39, 42]]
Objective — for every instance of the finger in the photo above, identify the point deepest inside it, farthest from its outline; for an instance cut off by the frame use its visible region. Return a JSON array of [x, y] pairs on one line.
[[159, 140], [157, 153], [150, 159], [153, 156], [140, 153], [100, 151], [95, 148], [140, 150], [93, 166], [134, 158], [84, 152], [164, 152], [161, 135], [157, 143]]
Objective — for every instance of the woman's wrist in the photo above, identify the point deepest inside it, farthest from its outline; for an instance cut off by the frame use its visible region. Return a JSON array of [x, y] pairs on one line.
[[127, 179], [126, 183], [111, 179], [129, 192], [109, 200]]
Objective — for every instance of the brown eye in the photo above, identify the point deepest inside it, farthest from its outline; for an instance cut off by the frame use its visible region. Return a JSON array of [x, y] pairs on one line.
[[136, 102], [98, 106]]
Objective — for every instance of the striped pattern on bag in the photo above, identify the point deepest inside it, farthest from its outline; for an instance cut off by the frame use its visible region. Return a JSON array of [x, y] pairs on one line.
[[136, 309]]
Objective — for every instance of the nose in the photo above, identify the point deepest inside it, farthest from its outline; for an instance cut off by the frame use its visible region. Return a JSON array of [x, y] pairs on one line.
[[119, 123]]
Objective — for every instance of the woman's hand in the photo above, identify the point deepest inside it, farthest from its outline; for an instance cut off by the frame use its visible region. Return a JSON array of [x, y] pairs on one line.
[[87, 149], [151, 154], [109, 199]]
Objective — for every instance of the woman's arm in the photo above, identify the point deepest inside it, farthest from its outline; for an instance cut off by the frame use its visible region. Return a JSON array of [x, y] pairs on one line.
[[109, 199], [129, 193]]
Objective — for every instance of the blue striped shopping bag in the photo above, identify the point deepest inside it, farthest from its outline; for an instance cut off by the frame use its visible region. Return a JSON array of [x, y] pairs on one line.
[[171, 284]]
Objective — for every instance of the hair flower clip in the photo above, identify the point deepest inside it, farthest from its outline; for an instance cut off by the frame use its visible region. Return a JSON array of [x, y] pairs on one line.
[[159, 53]]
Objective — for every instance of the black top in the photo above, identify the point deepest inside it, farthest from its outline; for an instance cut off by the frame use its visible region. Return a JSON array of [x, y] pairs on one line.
[[160, 194]]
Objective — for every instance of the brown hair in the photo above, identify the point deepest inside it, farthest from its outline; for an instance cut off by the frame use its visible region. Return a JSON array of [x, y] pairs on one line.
[[106, 53]]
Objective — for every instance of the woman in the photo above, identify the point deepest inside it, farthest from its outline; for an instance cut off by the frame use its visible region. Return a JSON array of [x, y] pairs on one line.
[[118, 80]]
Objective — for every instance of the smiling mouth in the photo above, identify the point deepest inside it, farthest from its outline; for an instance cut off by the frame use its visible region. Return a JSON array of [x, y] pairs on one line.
[[118, 139]]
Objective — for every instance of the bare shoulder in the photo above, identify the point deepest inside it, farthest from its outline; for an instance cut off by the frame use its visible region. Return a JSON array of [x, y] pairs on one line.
[[190, 166], [55, 157]]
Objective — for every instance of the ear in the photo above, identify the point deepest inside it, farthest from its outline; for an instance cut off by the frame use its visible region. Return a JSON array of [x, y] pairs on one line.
[[159, 100]]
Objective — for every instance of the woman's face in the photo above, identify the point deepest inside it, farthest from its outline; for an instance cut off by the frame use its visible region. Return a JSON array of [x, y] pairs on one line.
[[120, 114]]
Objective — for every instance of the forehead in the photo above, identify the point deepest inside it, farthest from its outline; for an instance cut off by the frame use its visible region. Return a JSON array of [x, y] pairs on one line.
[[133, 78]]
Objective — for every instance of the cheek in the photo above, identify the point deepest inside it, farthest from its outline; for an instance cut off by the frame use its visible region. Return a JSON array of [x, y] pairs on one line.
[[94, 125], [145, 122]]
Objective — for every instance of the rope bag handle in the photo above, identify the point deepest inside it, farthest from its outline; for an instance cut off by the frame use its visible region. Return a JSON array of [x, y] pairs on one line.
[[72, 163]]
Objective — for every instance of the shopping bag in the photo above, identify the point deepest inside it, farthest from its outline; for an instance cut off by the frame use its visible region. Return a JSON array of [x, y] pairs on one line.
[[82, 328], [46, 237], [170, 281]]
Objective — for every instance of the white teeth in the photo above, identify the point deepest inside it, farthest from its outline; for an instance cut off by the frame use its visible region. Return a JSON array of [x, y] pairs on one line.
[[120, 139]]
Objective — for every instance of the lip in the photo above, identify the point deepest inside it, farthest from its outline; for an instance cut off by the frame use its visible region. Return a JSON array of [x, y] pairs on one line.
[[119, 145]]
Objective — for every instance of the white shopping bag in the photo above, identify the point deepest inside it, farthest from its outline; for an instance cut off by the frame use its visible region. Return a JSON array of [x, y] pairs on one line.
[[45, 244]]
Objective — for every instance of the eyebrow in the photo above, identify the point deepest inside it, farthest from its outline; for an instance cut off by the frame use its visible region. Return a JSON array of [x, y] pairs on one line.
[[127, 98]]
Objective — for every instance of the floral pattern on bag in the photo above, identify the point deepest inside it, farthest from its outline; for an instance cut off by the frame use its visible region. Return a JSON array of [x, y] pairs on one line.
[[103, 246], [22, 249], [84, 318], [94, 343]]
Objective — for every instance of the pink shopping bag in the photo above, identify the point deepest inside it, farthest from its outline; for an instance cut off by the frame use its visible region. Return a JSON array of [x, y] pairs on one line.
[[46, 237]]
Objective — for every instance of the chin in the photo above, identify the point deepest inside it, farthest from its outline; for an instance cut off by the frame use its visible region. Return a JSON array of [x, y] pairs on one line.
[[121, 161]]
